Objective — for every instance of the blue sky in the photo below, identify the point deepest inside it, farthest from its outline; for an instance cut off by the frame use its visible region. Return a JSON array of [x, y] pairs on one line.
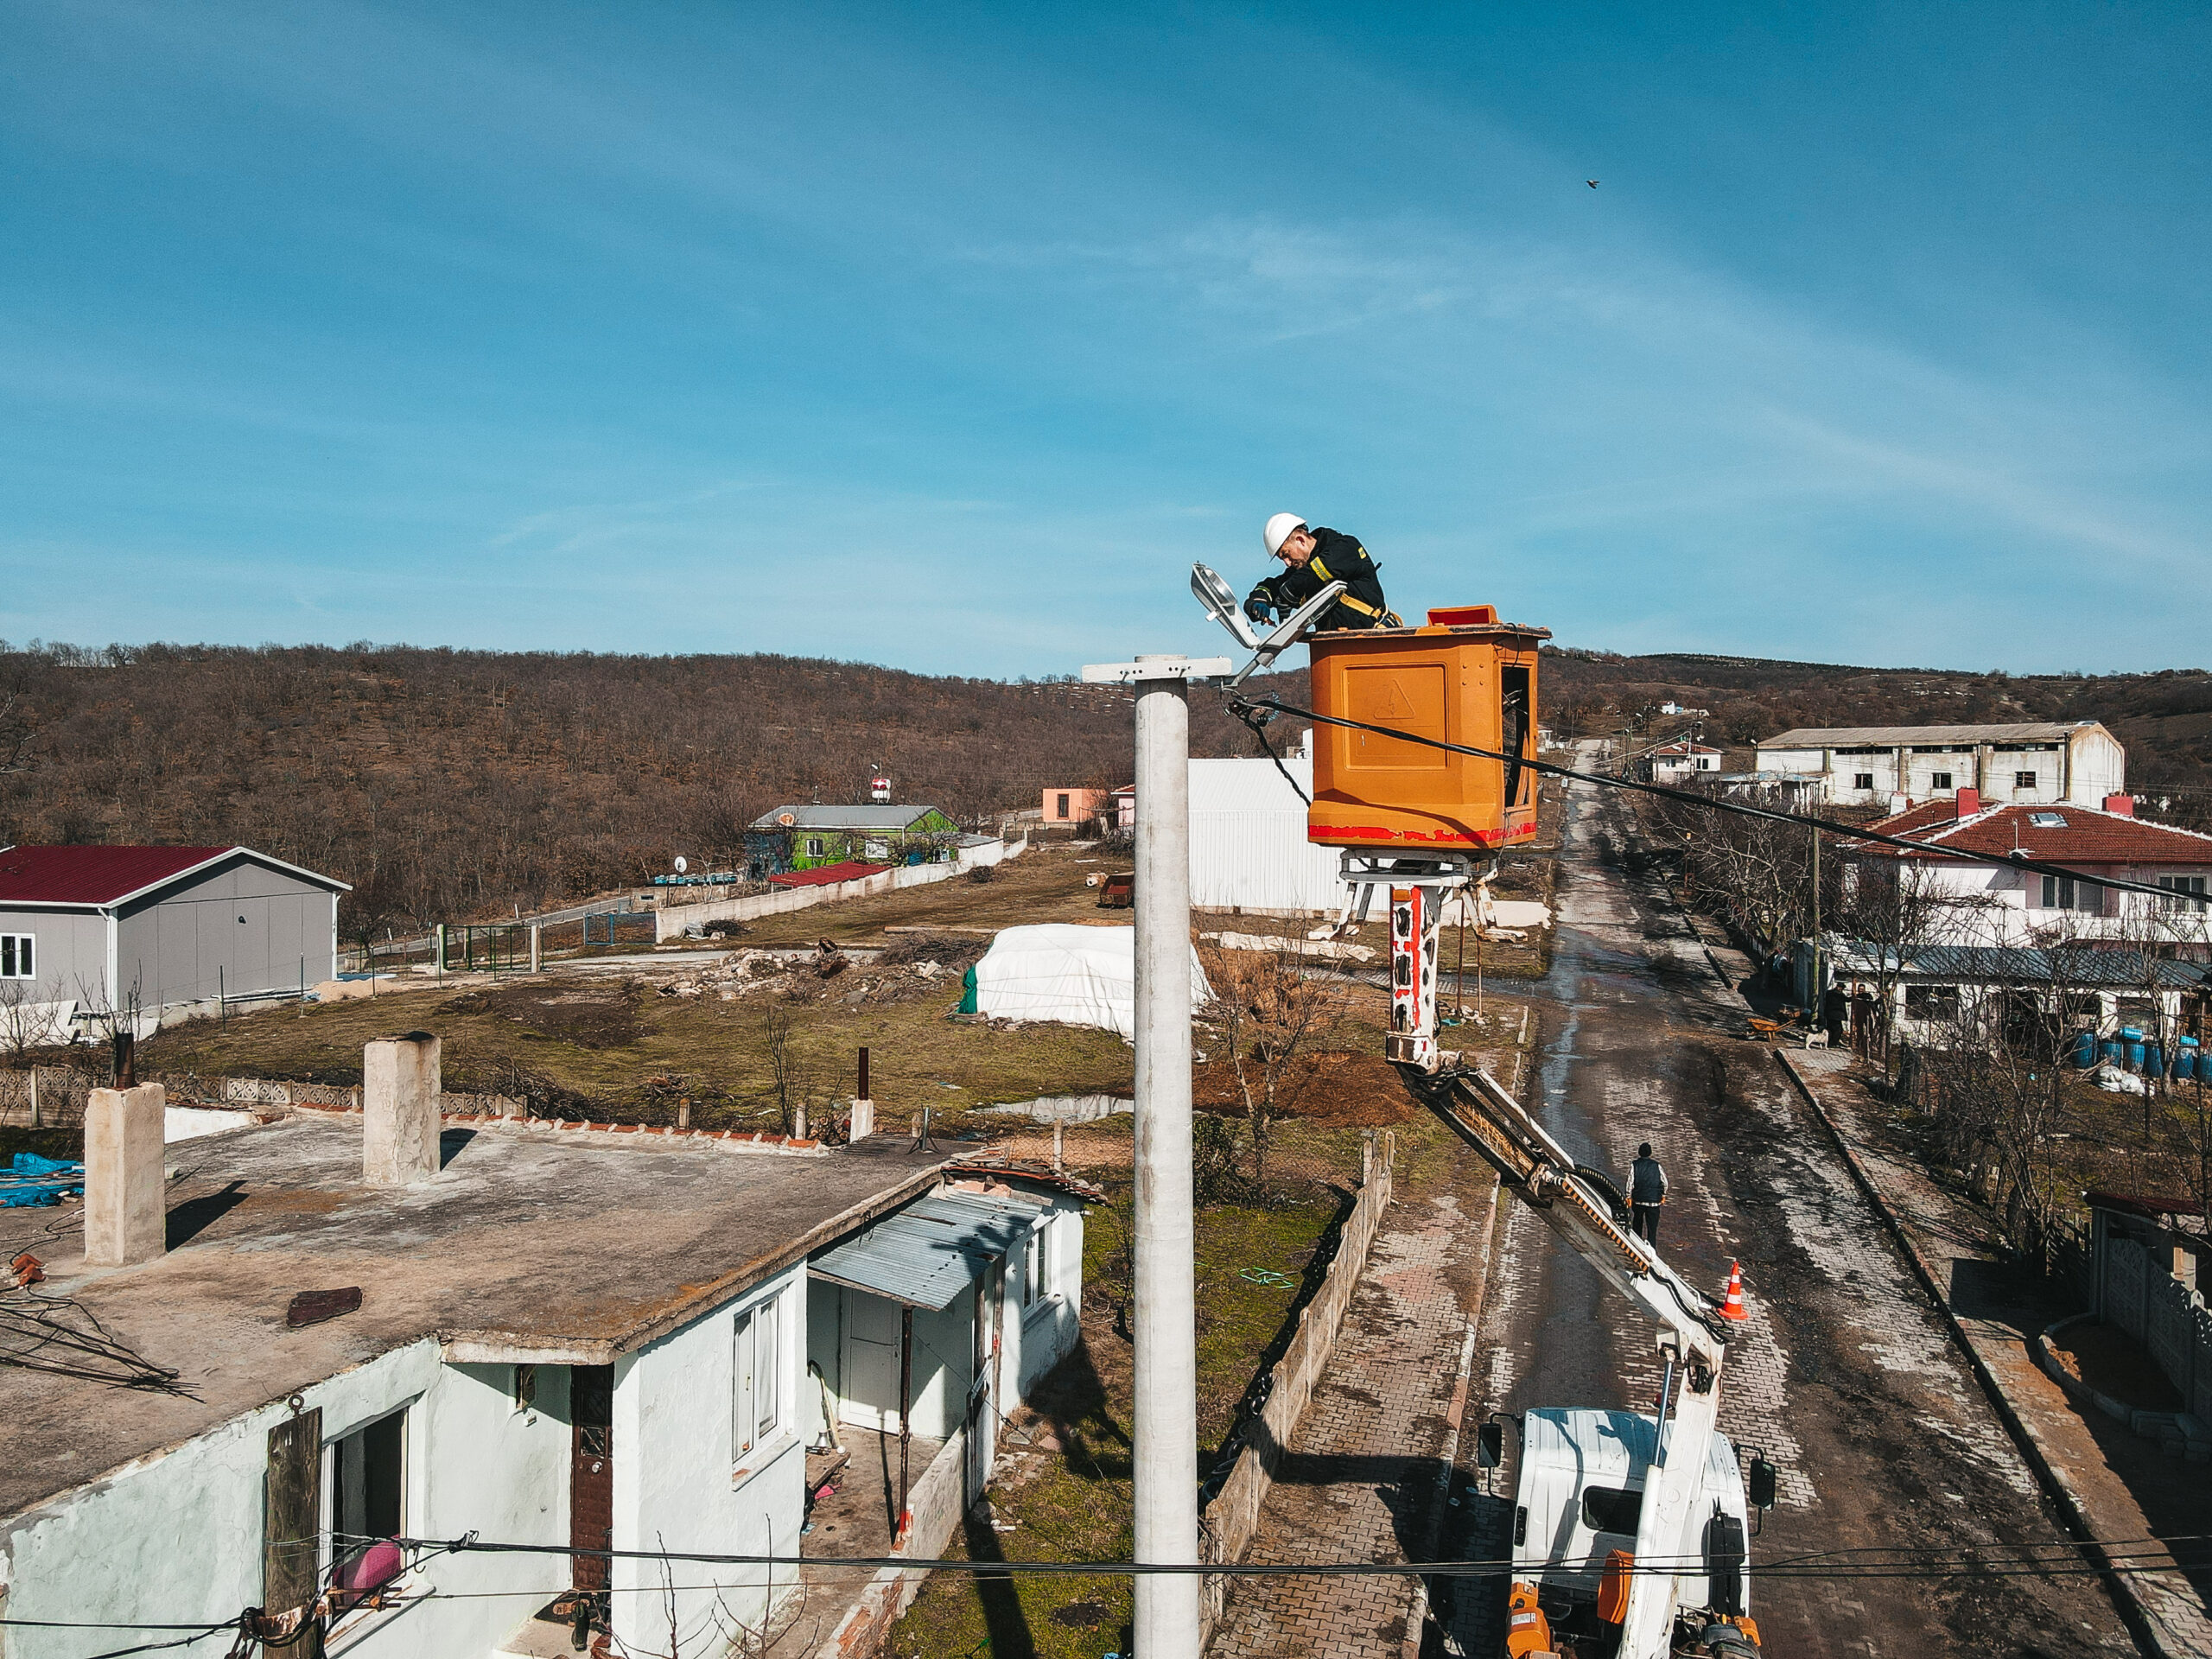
[[949, 336]]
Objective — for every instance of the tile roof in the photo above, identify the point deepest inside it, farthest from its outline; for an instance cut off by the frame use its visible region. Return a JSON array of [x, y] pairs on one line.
[[1830, 737], [2087, 835], [92, 875]]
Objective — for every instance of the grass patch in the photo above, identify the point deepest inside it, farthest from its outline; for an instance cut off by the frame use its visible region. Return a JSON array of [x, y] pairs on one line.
[[633, 1059]]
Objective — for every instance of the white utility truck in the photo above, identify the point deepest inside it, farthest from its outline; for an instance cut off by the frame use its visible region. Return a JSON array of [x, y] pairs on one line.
[[1630, 1528]]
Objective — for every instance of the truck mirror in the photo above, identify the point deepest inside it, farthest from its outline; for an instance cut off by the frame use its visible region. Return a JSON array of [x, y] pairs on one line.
[[1762, 1483], [1490, 1445]]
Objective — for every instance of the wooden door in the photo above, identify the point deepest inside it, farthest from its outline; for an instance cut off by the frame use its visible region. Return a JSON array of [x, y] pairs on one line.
[[983, 1403], [591, 1472], [291, 1550]]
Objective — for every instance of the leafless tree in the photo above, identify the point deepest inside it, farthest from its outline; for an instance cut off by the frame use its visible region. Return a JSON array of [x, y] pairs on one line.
[[1900, 907], [26, 1018], [1758, 872], [1268, 1009], [787, 1069]]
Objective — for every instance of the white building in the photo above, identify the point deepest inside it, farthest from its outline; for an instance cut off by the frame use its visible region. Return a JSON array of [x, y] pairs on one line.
[[1996, 905], [1673, 762], [2039, 761], [1249, 850], [565, 1338]]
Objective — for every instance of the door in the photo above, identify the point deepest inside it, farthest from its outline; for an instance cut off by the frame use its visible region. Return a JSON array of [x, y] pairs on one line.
[[983, 1406], [591, 1472], [869, 1358]]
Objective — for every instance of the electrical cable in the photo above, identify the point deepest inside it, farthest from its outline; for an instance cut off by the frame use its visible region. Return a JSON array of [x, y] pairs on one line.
[[1930, 1566], [1259, 731], [2006, 861]]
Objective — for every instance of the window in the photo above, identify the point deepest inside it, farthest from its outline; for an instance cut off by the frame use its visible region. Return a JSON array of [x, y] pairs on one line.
[[15, 956], [367, 1486], [1939, 780], [2067, 893], [1862, 780], [2047, 820], [2023, 780], [1061, 812], [757, 1400], [1931, 1002], [525, 1390], [1610, 1508], [1037, 1265], [814, 845]]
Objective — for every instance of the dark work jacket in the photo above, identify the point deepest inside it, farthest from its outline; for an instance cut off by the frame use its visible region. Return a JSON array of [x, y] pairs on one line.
[[1336, 555], [1647, 1182]]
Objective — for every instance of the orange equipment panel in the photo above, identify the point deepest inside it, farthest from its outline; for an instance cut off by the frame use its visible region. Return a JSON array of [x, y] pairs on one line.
[[1465, 678]]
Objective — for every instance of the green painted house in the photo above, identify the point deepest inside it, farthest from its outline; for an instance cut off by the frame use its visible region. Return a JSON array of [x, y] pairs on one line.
[[807, 837]]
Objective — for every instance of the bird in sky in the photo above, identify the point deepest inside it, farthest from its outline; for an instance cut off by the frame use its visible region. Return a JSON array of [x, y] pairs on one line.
[[1593, 183]]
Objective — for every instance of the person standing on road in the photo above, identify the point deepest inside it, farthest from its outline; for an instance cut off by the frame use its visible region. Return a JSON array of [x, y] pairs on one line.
[[1647, 1191]]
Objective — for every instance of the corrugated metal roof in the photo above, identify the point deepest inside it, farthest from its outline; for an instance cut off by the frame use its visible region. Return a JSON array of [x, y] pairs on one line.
[[1833, 737], [843, 817], [2021, 965], [928, 1253]]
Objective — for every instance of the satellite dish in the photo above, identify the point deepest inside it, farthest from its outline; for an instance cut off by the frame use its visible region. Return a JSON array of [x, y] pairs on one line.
[[787, 819], [1220, 602], [682, 864]]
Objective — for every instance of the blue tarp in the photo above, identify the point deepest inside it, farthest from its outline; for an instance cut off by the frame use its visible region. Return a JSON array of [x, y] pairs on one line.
[[34, 1179]]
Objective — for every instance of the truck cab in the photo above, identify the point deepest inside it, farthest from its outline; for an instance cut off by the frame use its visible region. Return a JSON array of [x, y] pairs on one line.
[[1578, 1497]]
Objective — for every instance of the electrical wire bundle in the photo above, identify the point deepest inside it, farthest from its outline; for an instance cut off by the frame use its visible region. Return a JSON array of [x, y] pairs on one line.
[[59, 1335]]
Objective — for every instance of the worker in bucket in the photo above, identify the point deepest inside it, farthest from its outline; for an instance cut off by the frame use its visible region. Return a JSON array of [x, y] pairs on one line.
[[1311, 560], [1647, 1191]]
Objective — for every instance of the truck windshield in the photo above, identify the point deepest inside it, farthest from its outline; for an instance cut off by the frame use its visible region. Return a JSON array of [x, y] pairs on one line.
[[1609, 1509]]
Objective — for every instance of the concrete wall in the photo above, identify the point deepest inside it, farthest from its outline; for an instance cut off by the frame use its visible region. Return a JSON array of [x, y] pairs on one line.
[[1228, 1519], [936, 1501], [671, 922], [178, 1537], [676, 1477], [1041, 1336], [240, 927], [2082, 767], [69, 958]]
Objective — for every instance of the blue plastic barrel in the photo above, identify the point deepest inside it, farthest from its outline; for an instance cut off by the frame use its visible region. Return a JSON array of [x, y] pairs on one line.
[[2185, 1064], [2115, 1051], [2135, 1056], [2083, 1049], [2154, 1059]]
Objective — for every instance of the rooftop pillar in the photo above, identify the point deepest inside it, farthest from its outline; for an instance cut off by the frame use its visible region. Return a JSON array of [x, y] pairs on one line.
[[400, 1083], [125, 1221]]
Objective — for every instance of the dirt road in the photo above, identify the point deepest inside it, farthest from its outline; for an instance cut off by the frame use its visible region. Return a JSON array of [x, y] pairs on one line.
[[1845, 1378]]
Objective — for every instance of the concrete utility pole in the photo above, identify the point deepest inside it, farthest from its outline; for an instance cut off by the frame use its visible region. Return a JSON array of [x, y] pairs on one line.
[[1165, 1453]]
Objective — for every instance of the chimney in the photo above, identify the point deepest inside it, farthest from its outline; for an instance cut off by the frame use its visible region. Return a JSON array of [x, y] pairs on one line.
[[400, 1083], [1969, 801], [2120, 805], [125, 1220]]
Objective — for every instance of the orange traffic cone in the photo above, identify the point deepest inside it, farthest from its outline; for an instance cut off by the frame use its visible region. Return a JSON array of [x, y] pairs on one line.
[[1732, 1304]]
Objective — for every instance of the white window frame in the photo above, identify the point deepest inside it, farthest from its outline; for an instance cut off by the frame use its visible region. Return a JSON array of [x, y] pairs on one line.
[[18, 955], [1939, 780], [1038, 1258], [409, 1580], [761, 1407], [2188, 893], [1862, 780], [814, 846]]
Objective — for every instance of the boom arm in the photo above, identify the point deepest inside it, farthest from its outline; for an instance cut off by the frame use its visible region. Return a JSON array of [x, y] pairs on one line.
[[1537, 1169]]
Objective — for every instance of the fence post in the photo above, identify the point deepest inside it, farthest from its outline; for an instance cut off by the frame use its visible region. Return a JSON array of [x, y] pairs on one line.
[[537, 947], [35, 1122]]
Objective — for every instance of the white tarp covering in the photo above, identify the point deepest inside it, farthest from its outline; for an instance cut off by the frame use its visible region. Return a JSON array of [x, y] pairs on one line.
[[1249, 849], [1067, 972]]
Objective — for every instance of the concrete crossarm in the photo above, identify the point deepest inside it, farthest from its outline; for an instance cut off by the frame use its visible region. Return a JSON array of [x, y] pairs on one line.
[[1541, 1172]]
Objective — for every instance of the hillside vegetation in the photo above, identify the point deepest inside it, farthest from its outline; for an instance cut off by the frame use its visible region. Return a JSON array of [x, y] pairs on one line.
[[446, 784]]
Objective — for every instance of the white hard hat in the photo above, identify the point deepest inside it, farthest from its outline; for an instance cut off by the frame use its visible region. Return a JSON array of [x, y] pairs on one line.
[[1278, 531]]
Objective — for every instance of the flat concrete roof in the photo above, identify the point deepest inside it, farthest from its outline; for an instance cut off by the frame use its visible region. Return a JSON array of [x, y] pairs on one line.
[[530, 1244]]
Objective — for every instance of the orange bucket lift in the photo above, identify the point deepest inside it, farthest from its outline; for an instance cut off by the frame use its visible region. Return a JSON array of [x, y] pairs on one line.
[[1465, 678]]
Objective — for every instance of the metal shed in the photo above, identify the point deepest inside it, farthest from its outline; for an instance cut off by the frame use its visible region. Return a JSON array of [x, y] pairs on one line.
[[1249, 849], [150, 928]]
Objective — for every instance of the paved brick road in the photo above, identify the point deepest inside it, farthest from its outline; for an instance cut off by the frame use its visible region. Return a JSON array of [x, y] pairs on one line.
[[1360, 1480], [1845, 1376]]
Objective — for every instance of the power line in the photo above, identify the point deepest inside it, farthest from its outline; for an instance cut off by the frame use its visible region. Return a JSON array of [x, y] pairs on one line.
[[2131, 1555], [1712, 803]]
